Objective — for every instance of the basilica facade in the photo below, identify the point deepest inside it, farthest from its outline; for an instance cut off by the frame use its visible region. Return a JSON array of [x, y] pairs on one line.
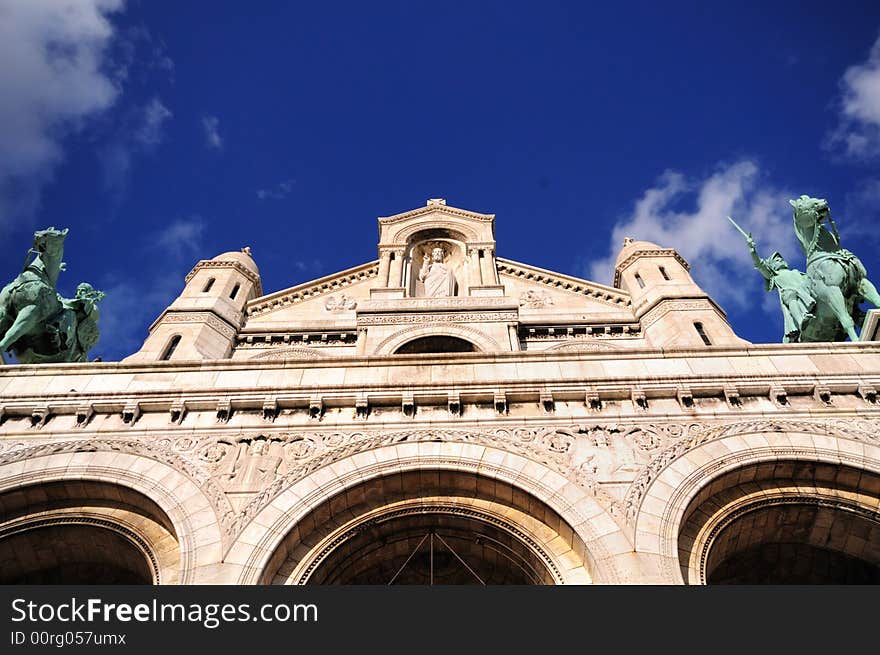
[[442, 415]]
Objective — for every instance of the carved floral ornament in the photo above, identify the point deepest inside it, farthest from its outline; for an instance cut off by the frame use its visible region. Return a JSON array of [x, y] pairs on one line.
[[587, 454]]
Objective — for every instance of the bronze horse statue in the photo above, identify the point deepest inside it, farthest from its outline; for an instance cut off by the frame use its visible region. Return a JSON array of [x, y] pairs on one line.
[[36, 323], [838, 279]]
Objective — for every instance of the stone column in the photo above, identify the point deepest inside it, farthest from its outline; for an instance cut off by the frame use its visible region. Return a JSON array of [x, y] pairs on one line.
[[475, 277], [396, 269], [514, 336], [384, 262], [362, 342], [488, 267]]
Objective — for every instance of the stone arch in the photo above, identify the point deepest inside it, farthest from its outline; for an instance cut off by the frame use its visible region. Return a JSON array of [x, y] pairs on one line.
[[661, 512], [456, 229], [482, 341], [291, 353], [261, 539], [191, 517]]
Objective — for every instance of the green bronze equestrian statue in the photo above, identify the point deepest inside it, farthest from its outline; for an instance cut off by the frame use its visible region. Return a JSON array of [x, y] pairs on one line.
[[823, 303], [36, 323]]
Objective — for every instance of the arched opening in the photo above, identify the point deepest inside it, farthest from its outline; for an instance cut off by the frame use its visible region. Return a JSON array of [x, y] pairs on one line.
[[208, 285], [85, 532], [439, 343], [784, 523], [71, 553], [430, 527], [170, 348]]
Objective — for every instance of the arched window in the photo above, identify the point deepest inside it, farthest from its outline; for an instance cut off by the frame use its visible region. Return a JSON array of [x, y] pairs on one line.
[[170, 348], [234, 292], [640, 281], [208, 285], [440, 343], [664, 273], [705, 337]]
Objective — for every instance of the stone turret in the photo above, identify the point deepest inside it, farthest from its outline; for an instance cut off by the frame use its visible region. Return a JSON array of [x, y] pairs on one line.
[[203, 321], [672, 308]]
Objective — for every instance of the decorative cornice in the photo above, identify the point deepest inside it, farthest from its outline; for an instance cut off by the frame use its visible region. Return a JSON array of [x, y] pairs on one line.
[[436, 209], [662, 252], [592, 290], [208, 318], [213, 263], [313, 289]]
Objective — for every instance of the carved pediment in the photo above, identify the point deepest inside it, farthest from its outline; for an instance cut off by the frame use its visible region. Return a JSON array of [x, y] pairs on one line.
[[332, 296], [547, 291]]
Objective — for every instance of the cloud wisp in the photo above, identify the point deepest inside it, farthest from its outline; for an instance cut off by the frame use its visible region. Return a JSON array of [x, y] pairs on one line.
[[279, 192], [142, 134], [689, 215], [134, 302], [211, 129], [53, 76], [857, 134]]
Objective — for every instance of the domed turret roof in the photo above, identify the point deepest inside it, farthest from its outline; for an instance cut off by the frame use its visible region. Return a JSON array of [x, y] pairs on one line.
[[631, 246], [243, 257]]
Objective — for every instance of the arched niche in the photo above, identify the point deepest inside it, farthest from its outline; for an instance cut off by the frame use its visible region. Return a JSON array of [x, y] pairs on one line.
[[420, 246]]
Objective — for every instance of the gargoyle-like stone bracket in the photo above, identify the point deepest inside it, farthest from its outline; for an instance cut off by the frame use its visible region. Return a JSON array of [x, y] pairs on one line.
[[224, 411], [177, 412], [453, 402], [822, 394], [731, 396], [84, 414], [131, 413], [408, 405], [778, 395], [500, 401], [270, 409], [685, 398], [868, 393], [547, 402], [316, 407], [361, 407], [639, 399], [39, 416]]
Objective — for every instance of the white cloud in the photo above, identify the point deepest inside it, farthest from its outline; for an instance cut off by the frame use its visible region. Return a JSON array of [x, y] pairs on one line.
[[182, 237], [211, 125], [700, 232], [52, 56], [858, 130], [278, 192], [142, 133]]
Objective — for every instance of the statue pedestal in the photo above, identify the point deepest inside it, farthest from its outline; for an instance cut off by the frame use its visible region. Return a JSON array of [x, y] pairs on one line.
[[871, 326]]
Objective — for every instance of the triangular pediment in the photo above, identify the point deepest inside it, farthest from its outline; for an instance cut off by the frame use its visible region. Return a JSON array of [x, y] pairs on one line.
[[548, 291], [331, 296]]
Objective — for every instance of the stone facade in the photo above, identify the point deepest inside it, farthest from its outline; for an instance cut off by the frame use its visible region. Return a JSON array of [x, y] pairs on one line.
[[444, 415]]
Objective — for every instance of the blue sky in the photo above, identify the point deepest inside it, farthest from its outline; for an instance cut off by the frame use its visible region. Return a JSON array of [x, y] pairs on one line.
[[161, 133]]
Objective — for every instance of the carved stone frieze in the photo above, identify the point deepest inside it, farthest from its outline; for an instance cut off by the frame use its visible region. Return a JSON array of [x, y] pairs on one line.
[[452, 317], [166, 450], [696, 434], [291, 353]]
